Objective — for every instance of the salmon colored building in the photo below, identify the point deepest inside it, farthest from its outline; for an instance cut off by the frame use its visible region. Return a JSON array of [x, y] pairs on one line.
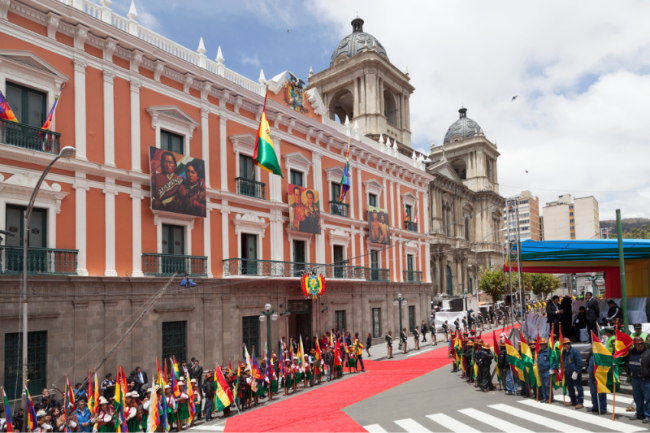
[[99, 250]]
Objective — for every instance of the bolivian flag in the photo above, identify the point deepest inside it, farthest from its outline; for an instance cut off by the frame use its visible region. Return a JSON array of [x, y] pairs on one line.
[[515, 360], [603, 363], [264, 155], [223, 395], [622, 346], [527, 358]]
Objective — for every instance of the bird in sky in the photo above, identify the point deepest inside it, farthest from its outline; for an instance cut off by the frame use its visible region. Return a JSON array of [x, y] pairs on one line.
[[514, 97], [526, 171]]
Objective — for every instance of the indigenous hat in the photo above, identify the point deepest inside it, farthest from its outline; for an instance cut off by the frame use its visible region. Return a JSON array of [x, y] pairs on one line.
[[41, 414], [181, 379], [566, 341], [132, 394], [543, 341], [167, 387], [193, 381], [638, 340], [637, 326], [102, 400]]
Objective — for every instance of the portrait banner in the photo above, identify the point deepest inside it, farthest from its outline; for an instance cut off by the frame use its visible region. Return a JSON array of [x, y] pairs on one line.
[[177, 183], [378, 225], [304, 209]]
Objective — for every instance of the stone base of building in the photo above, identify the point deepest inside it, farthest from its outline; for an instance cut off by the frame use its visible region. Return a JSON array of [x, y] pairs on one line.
[[74, 322]]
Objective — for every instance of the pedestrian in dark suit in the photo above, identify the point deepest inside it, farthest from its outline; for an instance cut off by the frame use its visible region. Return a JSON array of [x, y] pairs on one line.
[[554, 314], [196, 372], [592, 314], [423, 329]]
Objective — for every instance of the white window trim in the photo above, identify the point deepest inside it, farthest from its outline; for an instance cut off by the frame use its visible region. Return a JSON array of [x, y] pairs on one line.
[[250, 224], [18, 189], [297, 236], [298, 162], [161, 218], [339, 237], [173, 119], [409, 198], [244, 144], [334, 175], [30, 76]]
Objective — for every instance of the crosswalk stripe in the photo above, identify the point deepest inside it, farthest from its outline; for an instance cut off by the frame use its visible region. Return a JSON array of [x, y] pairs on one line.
[[492, 421], [585, 417], [211, 427], [450, 423], [621, 404], [622, 399], [374, 428], [419, 353], [411, 426], [537, 419]]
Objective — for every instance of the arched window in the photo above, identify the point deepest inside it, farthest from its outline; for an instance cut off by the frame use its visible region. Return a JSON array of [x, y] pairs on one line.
[[390, 108], [341, 105], [450, 285]]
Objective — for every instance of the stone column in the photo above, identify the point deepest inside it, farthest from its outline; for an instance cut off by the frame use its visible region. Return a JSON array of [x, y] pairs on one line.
[[136, 151], [223, 152], [356, 110], [362, 193], [277, 236], [275, 182], [109, 118], [351, 192], [136, 212], [318, 186], [81, 187], [205, 143], [425, 211], [394, 263], [427, 262], [225, 220], [400, 273], [207, 241], [110, 191], [80, 107]]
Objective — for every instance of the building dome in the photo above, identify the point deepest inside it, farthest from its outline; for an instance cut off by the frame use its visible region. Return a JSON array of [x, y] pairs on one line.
[[355, 43], [463, 128]]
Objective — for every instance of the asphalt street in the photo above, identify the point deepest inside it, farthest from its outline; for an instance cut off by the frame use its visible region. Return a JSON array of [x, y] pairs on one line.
[[441, 401]]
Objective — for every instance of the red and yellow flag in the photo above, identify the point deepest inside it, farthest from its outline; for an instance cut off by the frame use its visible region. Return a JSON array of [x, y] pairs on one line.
[[264, 155]]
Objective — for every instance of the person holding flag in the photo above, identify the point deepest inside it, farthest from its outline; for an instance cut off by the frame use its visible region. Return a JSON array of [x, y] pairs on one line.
[[572, 366], [486, 357], [639, 371], [544, 368], [601, 377]]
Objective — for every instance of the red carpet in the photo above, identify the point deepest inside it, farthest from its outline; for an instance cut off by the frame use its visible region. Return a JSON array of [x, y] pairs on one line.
[[320, 409]]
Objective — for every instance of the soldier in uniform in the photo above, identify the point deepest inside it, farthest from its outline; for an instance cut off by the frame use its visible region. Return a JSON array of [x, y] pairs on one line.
[[484, 368], [416, 338], [467, 360], [544, 366], [445, 330], [572, 373]]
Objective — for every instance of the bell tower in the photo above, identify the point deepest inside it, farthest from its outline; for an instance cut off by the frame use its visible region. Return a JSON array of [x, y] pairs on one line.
[[364, 86]]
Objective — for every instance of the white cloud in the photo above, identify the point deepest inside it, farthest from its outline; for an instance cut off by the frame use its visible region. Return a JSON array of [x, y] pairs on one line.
[[246, 60], [579, 68]]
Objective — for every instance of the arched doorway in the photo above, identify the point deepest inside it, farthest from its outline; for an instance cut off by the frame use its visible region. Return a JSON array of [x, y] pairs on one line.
[[341, 105], [450, 284]]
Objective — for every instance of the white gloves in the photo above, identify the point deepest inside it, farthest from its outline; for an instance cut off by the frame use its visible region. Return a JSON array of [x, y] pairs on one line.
[[574, 376], [551, 372]]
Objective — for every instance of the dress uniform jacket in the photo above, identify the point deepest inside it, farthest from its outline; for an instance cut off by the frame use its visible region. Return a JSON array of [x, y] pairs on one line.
[[572, 361]]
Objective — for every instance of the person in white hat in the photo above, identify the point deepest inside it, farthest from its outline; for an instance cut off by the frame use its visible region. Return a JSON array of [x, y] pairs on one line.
[[104, 418], [197, 399], [171, 405], [42, 425], [183, 406], [131, 411]]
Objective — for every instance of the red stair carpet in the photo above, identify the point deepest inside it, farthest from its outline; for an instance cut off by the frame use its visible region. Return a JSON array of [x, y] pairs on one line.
[[319, 410]]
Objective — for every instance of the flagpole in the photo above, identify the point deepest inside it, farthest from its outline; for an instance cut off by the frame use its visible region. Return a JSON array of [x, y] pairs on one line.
[[614, 377]]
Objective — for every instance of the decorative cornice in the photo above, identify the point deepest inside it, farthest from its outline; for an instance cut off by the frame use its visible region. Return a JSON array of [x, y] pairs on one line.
[[80, 35], [136, 60], [52, 24], [110, 45]]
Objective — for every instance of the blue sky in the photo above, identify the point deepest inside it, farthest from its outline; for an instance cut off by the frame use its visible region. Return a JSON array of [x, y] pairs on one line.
[[580, 69]]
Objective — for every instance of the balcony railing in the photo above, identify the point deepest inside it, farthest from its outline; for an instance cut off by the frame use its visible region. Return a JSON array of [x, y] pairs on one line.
[[29, 137], [377, 274], [273, 268], [411, 226], [160, 265], [39, 261], [250, 188], [413, 276], [337, 208]]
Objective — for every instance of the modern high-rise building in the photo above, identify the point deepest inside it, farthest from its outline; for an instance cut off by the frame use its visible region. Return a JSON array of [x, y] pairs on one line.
[[529, 219], [569, 218]]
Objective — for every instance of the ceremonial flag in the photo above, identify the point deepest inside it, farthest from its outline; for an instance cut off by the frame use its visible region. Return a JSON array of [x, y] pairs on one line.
[[407, 216], [495, 348], [48, 122], [622, 346], [154, 414], [301, 354], [564, 388], [190, 400], [31, 413], [281, 359], [237, 391], [475, 368], [163, 412], [337, 356], [264, 155], [255, 373], [415, 220], [175, 376], [556, 354], [527, 358], [345, 180], [269, 366], [223, 396], [603, 362], [68, 399], [91, 394], [515, 360], [10, 427], [5, 110], [536, 366], [247, 358], [229, 366], [120, 387]]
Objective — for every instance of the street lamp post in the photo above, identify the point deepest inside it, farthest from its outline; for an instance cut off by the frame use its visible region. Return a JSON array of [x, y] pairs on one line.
[[398, 302], [274, 316], [66, 152], [478, 276]]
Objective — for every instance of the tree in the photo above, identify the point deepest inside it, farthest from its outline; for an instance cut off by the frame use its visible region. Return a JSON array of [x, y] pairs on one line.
[[493, 282], [544, 283], [637, 233]]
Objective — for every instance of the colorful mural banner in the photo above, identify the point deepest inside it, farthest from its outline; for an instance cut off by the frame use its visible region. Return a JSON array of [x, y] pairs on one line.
[[378, 225], [304, 209], [177, 183]]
